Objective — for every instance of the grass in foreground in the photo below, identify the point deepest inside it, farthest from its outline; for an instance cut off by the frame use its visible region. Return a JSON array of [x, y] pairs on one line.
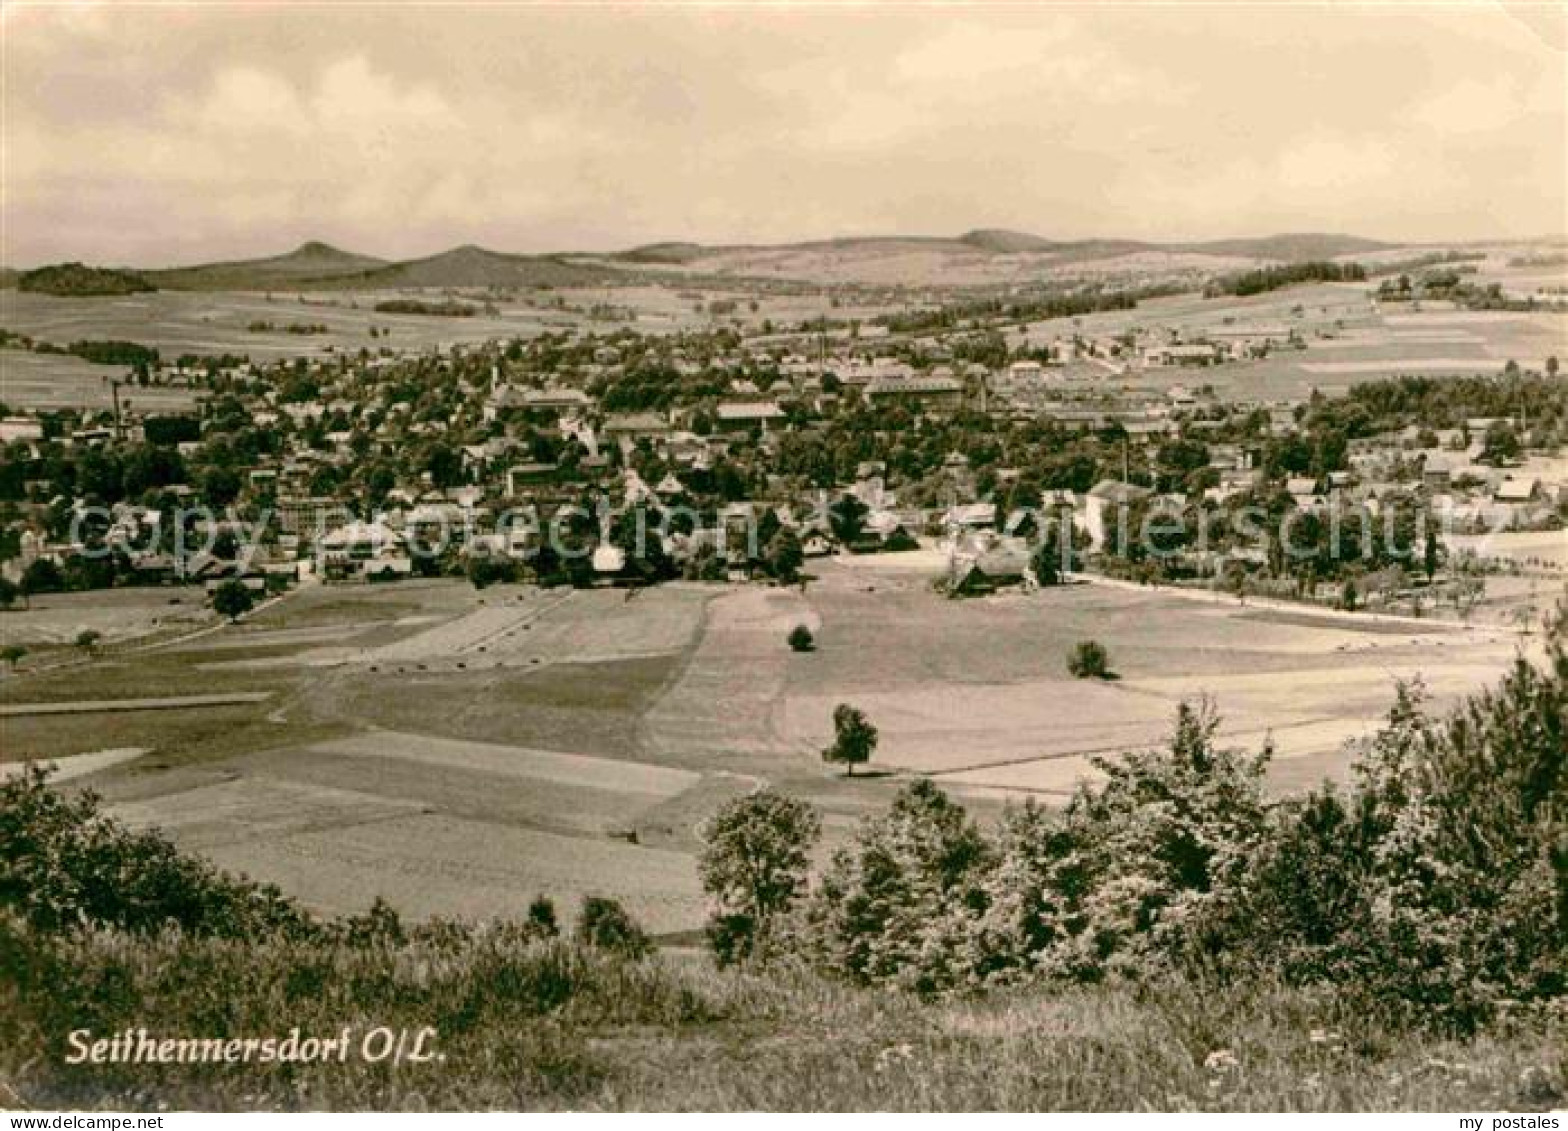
[[551, 1024]]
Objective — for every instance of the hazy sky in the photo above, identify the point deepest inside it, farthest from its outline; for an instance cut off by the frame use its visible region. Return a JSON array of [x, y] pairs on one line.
[[150, 135]]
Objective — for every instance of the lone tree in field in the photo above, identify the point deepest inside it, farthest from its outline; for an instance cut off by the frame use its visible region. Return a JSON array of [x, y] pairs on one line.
[[87, 640], [800, 639], [232, 599], [753, 864], [1052, 555], [11, 655], [854, 739], [1089, 660]]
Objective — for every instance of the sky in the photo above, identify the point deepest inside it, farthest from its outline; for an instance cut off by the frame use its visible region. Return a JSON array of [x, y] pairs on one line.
[[152, 135]]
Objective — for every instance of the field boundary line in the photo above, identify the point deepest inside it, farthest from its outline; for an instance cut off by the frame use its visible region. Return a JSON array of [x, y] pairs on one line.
[[111, 706], [1118, 748]]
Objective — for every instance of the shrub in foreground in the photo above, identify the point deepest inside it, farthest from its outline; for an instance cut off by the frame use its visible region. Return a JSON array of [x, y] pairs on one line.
[[603, 924], [1438, 883], [753, 864], [65, 865], [531, 1024]]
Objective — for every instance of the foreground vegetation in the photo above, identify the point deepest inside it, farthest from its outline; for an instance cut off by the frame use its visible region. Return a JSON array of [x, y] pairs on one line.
[[1170, 939], [547, 1023]]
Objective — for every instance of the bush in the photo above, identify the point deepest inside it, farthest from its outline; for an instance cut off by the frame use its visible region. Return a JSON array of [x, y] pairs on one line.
[[604, 924], [801, 640], [42, 576], [1158, 845], [1434, 889], [897, 905], [232, 599], [1089, 660], [541, 921], [381, 926], [754, 863], [1441, 880], [64, 866], [485, 570], [732, 938]]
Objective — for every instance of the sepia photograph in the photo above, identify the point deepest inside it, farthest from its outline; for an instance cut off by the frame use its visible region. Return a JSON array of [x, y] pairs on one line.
[[749, 557]]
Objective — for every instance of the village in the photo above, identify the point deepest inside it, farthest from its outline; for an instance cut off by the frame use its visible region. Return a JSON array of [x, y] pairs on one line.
[[619, 557], [743, 454]]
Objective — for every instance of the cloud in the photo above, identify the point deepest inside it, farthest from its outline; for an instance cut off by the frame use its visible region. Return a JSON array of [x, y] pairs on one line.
[[154, 134], [1352, 167]]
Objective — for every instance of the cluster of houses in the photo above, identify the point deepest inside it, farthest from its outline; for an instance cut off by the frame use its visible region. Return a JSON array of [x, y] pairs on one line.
[[529, 443]]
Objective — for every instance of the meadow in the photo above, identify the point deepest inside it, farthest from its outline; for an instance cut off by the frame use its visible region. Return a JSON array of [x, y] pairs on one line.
[[458, 751], [219, 323], [551, 1025], [1349, 339]]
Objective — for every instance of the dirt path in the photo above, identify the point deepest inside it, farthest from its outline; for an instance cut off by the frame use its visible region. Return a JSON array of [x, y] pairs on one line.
[[101, 706]]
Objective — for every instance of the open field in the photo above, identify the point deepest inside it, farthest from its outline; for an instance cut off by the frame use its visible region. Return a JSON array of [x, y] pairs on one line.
[[436, 826], [115, 614], [109, 706], [1349, 339], [180, 322], [340, 785], [458, 751], [1547, 548], [207, 324], [978, 692], [52, 381]]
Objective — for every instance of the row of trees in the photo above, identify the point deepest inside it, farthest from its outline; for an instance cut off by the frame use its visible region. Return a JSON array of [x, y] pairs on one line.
[[1285, 275]]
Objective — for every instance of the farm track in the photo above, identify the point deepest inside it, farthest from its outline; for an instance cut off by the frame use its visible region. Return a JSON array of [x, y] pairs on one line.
[[104, 706]]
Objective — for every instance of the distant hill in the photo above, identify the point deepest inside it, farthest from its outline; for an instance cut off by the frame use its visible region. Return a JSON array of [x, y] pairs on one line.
[[310, 263], [471, 266], [76, 280], [673, 252], [1005, 242], [987, 256], [1290, 247], [981, 257], [320, 266], [8, 278], [1293, 247]]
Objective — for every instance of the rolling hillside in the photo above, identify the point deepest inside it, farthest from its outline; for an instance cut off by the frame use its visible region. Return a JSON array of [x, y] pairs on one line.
[[307, 264], [470, 266], [982, 257], [988, 256], [1293, 247]]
